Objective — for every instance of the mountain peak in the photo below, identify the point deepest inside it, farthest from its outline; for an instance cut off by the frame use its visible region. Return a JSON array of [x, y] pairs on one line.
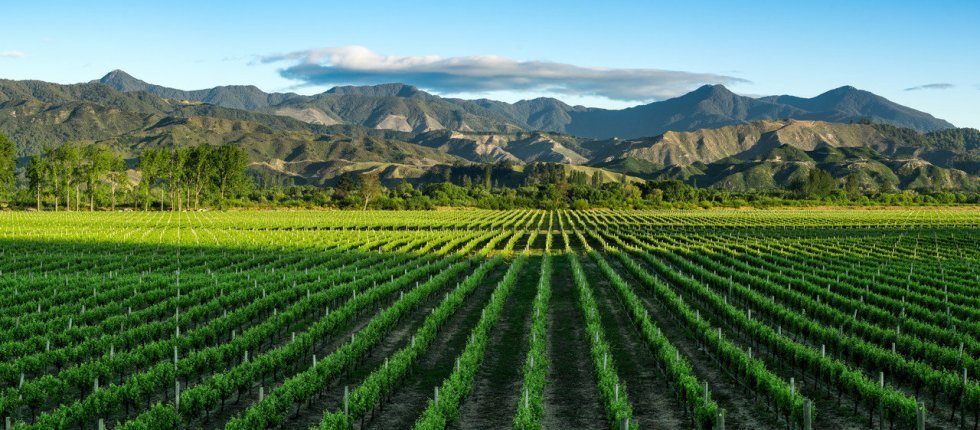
[[848, 103], [849, 94], [381, 90], [117, 72], [711, 91], [847, 90], [122, 81]]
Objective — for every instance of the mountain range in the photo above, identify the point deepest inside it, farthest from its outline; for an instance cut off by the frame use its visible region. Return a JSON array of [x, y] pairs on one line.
[[710, 136], [406, 108]]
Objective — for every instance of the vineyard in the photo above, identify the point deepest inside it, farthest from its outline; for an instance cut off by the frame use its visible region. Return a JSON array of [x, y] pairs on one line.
[[525, 319]]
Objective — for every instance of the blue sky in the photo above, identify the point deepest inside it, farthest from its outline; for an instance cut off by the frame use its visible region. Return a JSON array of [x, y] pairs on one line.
[[647, 50]]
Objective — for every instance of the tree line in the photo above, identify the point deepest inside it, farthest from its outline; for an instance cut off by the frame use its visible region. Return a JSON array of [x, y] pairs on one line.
[[76, 175], [549, 186], [185, 176]]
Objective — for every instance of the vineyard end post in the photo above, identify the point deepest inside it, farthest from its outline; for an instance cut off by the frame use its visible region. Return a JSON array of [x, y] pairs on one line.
[[346, 400], [807, 415], [881, 415], [963, 400], [881, 405], [624, 424], [920, 416]]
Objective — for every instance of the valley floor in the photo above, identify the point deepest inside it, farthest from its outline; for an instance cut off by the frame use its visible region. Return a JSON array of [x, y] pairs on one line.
[[742, 319]]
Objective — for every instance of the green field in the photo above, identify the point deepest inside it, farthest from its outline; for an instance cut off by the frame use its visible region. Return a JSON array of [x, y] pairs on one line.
[[478, 319]]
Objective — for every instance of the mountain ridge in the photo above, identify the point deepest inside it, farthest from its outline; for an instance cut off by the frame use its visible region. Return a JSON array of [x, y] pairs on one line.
[[35, 114], [248, 97], [405, 107]]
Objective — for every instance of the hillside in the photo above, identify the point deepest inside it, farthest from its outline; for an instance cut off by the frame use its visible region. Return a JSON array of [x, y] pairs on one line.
[[748, 140], [785, 166], [770, 154], [36, 114], [515, 147], [410, 134]]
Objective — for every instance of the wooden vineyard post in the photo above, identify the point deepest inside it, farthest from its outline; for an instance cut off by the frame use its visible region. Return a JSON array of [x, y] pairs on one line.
[[807, 415], [881, 406], [8, 424], [963, 400], [101, 424], [720, 419], [435, 396], [261, 393], [920, 416], [346, 400], [177, 395], [624, 424]]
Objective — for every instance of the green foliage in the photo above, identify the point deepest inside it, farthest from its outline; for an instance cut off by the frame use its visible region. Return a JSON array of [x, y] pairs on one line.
[[956, 139], [8, 162], [530, 403], [726, 279], [229, 177], [370, 187], [180, 178], [818, 184]]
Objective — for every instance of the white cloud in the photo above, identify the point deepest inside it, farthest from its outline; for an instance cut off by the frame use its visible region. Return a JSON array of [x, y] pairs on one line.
[[12, 54], [937, 86], [358, 65]]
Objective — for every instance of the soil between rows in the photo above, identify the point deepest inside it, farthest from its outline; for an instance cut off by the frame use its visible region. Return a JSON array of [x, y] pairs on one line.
[[409, 400], [492, 403], [654, 405], [571, 398], [741, 410], [832, 413], [333, 395]]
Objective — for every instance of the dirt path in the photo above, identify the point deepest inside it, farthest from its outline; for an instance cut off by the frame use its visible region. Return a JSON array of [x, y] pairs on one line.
[[331, 399], [652, 407], [742, 411], [841, 412], [493, 402], [571, 398], [410, 399], [830, 412], [332, 342]]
